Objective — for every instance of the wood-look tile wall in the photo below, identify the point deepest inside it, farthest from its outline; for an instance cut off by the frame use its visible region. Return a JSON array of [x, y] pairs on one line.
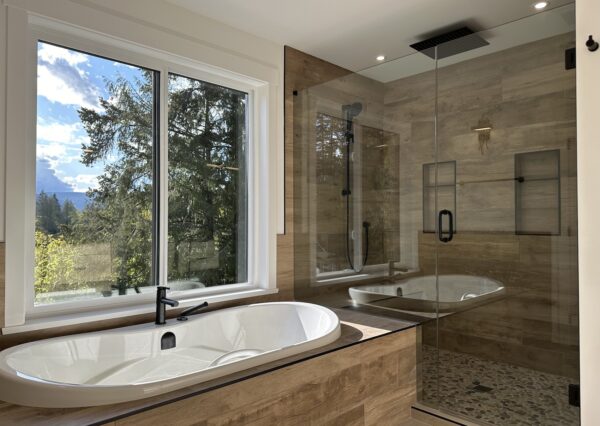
[[302, 71], [366, 384], [2, 279], [319, 169], [529, 99]]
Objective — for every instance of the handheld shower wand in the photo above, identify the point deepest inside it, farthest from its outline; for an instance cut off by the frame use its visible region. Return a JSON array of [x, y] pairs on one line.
[[351, 111]]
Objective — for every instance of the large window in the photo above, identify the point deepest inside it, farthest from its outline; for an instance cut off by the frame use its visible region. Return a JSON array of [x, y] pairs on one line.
[[99, 226]]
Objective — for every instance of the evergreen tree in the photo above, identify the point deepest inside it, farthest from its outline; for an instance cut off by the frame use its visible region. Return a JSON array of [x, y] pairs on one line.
[[48, 213], [120, 208], [206, 151], [69, 216]]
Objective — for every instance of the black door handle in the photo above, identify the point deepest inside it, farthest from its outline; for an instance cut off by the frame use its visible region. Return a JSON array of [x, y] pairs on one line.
[[441, 236]]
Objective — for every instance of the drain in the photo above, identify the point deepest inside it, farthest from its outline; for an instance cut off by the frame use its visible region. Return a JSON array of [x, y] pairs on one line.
[[478, 388], [481, 388]]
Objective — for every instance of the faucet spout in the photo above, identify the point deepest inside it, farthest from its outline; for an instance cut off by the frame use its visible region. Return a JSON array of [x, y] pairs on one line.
[[161, 304]]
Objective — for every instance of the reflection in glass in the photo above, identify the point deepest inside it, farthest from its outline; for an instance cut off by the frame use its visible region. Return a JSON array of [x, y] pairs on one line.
[[207, 184]]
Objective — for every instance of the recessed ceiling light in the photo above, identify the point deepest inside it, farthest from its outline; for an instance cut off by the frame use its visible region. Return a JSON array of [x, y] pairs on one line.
[[540, 5], [380, 58]]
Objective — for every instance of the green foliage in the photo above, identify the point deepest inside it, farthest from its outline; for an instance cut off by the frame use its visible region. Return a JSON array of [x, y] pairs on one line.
[[55, 263], [206, 175], [207, 223]]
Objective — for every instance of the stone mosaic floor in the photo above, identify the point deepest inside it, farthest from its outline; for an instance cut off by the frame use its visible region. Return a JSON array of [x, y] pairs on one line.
[[497, 393]]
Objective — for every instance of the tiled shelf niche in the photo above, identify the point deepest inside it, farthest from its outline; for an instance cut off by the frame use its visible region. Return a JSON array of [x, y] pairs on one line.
[[537, 193], [446, 192]]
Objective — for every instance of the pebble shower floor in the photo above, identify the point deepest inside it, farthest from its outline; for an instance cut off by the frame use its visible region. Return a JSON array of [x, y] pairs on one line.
[[497, 393]]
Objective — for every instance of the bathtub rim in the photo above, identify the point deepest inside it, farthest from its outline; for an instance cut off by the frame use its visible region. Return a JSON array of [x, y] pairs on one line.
[[417, 306], [134, 392]]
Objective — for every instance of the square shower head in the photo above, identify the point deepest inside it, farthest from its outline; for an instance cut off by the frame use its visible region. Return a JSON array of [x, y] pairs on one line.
[[450, 43]]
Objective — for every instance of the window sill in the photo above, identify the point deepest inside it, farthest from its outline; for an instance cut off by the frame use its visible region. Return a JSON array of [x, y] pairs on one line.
[[63, 320]]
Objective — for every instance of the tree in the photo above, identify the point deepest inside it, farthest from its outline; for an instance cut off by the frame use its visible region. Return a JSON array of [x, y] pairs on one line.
[[206, 175], [121, 206], [206, 172], [55, 263], [48, 213]]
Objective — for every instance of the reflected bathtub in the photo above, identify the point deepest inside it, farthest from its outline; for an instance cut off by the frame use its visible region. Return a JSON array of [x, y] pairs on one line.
[[128, 363], [418, 294]]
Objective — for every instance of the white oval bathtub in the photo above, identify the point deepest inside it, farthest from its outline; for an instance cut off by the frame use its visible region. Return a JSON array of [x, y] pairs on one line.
[[128, 363], [418, 294]]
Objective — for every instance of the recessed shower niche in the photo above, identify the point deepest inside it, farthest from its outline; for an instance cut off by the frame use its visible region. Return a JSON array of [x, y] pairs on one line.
[[537, 193]]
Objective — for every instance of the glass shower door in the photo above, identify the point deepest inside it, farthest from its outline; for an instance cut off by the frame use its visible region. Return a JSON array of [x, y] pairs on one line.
[[505, 341]]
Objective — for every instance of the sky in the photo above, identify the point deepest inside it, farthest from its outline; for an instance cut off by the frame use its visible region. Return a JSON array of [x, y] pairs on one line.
[[66, 81]]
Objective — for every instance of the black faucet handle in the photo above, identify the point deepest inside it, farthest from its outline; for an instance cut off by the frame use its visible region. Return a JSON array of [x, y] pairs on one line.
[[183, 315]]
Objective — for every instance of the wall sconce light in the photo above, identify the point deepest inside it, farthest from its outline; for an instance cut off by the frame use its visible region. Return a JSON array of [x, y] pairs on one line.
[[484, 131]]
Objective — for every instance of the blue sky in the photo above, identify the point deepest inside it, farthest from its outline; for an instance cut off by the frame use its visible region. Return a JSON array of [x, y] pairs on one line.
[[66, 81]]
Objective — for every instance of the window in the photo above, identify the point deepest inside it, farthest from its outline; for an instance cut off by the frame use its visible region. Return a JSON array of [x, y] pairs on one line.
[[131, 166], [207, 184], [94, 174], [98, 217]]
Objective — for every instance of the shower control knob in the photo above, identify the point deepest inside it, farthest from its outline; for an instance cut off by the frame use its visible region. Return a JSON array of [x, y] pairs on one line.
[[591, 44]]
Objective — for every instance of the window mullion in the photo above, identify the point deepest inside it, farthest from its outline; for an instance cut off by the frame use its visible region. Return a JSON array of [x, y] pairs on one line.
[[156, 177], [163, 237]]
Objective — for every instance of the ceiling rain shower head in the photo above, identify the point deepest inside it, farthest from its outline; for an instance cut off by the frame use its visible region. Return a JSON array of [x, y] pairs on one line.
[[352, 110], [450, 43]]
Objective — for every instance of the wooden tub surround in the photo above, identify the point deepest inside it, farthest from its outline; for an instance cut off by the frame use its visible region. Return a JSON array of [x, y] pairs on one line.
[[368, 376]]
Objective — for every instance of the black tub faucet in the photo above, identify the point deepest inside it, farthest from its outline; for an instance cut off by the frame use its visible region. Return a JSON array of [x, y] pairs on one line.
[[183, 316], [161, 304]]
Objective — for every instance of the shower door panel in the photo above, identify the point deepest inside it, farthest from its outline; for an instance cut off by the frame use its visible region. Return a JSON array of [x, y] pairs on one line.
[[505, 344]]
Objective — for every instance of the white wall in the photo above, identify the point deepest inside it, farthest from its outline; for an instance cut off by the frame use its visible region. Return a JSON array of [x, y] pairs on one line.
[[588, 137], [3, 33]]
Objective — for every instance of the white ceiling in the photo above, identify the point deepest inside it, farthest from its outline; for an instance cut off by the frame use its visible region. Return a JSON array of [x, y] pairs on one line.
[[351, 33], [540, 26]]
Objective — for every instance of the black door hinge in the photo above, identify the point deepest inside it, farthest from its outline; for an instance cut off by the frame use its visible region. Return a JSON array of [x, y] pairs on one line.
[[574, 395], [570, 61]]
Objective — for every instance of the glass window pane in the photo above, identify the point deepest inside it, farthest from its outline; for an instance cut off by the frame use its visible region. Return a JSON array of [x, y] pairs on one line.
[[207, 184], [93, 177]]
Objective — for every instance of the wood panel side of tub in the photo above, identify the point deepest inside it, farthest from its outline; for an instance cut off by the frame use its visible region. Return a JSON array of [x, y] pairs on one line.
[[372, 383]]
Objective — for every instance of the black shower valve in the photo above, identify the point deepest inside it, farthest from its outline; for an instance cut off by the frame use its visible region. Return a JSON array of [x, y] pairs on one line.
[[591, 44]]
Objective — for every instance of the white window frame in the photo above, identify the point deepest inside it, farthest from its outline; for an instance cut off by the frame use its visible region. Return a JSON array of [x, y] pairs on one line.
[[20, 312]]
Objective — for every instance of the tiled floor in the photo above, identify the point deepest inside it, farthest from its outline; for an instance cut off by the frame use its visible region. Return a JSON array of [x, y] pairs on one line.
[[496, 393]]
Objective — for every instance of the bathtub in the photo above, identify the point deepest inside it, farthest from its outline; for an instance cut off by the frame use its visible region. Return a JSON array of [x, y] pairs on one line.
[[128, 363], [418, 294]]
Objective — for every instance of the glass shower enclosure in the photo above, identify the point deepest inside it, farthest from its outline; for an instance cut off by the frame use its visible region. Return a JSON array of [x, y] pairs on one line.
[[446, 180]]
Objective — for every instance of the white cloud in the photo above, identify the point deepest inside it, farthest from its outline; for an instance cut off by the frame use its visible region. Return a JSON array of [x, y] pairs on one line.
[[51, 54], [179, 83], [60, 88], [82, 182], [69, 134], [60, 143], [51, 151], [57, 154], [62, 79]]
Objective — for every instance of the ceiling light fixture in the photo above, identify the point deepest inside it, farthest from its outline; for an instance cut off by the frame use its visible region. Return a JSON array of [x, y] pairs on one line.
[[540, 5], [380, 58]]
